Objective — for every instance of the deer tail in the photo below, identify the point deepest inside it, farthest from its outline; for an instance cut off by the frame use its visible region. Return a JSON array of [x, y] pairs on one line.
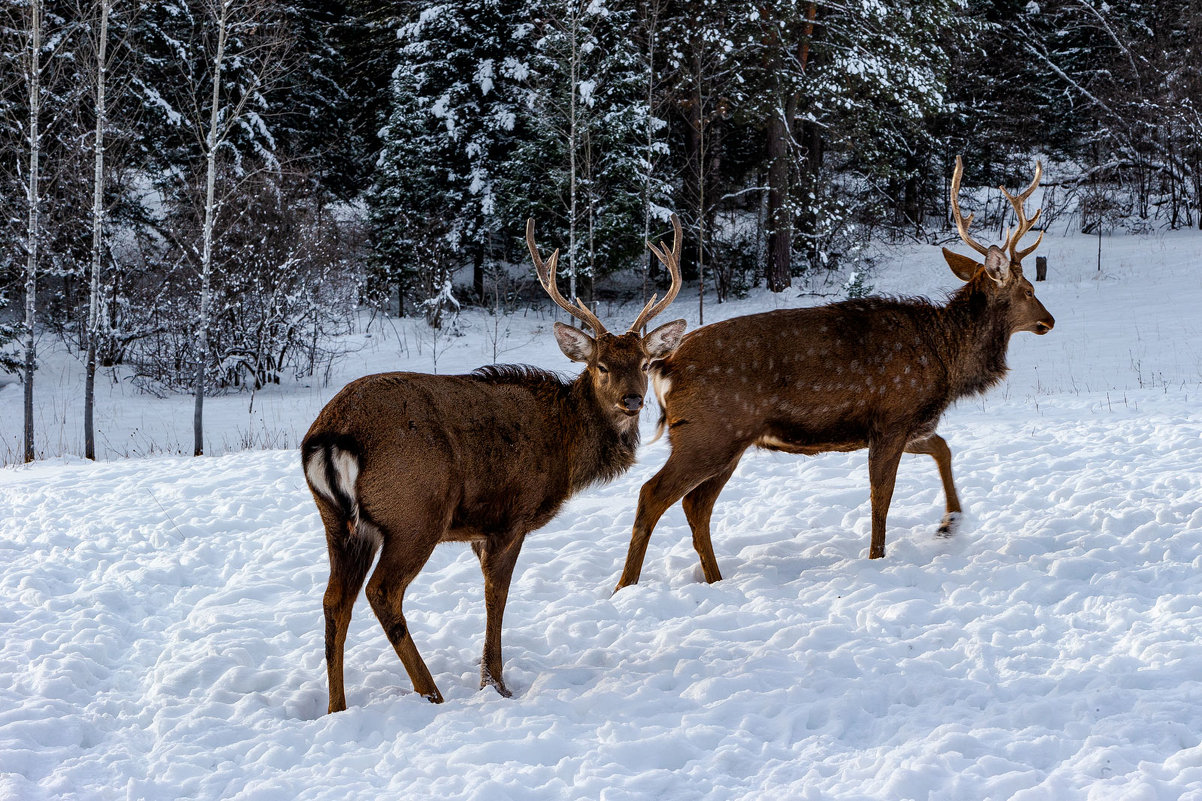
[[332, 469]]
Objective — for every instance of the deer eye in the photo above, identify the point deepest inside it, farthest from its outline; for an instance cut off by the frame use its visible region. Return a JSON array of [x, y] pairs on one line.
[[601, 368], [646, 366]]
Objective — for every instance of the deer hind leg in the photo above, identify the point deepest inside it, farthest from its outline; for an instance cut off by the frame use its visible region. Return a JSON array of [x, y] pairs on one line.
[[350, 558], [400, 562], [497, 559], [698, 506], [883, 457], [936, 447]]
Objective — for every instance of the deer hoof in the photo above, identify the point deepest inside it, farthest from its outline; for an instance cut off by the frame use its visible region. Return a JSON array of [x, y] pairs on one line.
[[950, 525], [486, 680], [434, 697]]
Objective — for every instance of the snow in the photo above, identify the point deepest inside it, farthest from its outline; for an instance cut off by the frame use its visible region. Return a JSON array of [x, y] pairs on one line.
[[164, 635]]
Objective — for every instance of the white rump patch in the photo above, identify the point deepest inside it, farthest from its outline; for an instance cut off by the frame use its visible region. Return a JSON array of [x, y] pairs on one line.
[[346, 473], [346, 470], [316, 473]]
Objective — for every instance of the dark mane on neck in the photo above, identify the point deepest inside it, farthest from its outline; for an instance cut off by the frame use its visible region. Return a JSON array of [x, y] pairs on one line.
[[518, 374], [880, 302]]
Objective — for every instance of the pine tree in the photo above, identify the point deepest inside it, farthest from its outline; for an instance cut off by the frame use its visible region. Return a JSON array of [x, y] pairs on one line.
[[433, 204], [410, 205], [589, 171]]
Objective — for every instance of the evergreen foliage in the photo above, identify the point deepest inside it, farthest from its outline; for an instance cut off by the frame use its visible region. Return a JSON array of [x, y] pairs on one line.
[[393, 151]]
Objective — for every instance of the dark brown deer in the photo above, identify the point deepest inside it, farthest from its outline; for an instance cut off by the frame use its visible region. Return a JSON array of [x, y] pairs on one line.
[[875, 373], [399, 462]]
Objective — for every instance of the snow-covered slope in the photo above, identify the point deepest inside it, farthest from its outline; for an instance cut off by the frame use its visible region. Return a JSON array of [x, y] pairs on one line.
[[163, 628]]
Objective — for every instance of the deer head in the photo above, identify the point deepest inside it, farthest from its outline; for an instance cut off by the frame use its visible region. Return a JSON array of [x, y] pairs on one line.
[[616, 365], [1003, 270]]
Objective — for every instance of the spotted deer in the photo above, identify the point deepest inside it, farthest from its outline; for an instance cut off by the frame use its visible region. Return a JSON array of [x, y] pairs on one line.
[[872, 373], [399, 462]]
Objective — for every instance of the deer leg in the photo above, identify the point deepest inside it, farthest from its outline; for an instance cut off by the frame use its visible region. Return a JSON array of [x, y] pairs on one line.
[[665, 488], [883, 457], [399, 564], [698, 506], [936, 447], [350, 559], [497, 558]]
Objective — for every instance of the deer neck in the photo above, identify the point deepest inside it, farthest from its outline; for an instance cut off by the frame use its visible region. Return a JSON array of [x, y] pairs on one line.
[[977, 336], [602, 444]]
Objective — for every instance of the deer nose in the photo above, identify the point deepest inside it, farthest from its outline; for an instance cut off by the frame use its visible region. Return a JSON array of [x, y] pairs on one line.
[[632, 403]]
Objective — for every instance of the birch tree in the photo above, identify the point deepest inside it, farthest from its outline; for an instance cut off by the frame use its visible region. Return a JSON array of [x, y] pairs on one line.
[[33, 76], [656, 189], [262, 57], [562, 106], [95, 284]]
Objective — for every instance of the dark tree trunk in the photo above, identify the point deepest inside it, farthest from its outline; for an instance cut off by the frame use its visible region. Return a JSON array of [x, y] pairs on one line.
[[89, 401], [806, 225], [478, 275], [780, 223], [198, 448], [30, 364]]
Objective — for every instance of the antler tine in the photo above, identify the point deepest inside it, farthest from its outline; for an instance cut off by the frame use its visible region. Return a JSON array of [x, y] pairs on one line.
[[961, 223], [546, 277], [671, 260], [1024, 225]]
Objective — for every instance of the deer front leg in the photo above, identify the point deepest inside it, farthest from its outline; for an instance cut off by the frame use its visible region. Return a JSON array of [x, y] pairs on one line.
[[936, 447], [698, 508], [664, 489], [498, 555], [883, 457]]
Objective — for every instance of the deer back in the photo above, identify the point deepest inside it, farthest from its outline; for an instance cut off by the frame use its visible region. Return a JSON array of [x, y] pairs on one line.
[[823, 378], [501, 446]]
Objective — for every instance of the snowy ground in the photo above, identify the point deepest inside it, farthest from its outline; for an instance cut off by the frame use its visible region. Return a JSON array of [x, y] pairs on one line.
[[163, 633]]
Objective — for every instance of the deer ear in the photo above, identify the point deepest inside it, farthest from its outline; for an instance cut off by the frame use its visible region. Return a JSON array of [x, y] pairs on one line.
[[576, 345], [997, 265], [663, 340], [963, 266]]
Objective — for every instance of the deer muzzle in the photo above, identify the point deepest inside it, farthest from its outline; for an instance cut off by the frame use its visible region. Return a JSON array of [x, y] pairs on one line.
[[631, 404]]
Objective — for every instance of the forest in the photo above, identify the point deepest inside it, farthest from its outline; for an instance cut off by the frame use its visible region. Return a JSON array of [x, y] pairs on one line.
[[207, 191]]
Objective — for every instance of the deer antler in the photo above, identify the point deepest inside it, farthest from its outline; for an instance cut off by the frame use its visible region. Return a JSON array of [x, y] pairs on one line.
[[546, 277], [961, 223], [1024, 225], [671, 260]]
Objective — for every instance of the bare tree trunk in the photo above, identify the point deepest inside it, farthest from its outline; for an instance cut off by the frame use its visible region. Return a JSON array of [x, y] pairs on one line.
[[651, 22], [573, 88], [590, 278], [700, 128], [478, 274], [89, 401], [31, 269], [780, 236], [780, 139], [206, 258]]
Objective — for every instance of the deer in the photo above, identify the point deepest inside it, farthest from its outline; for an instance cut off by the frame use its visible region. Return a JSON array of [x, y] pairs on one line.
[[873, 373], [400, 462]]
